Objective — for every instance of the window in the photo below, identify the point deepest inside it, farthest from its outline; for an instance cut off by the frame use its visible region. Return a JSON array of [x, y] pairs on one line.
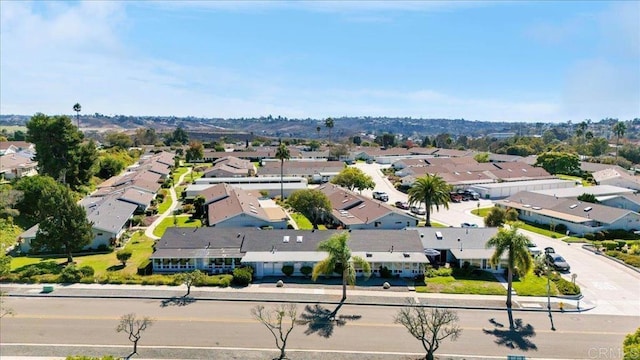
[[377, 223]]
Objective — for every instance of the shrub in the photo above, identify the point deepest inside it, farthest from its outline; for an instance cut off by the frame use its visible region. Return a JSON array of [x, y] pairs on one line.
[[609, 244], [145, 268], [621, 244], [564, 287], [307, 270], [137, 220], [561, 228], [287, 270], [634, 249], [70, 274], [124, 255], [242, 276], [590, 236], [103, 247], [87, 271], [633, 260], [45, 267], [385, 272], [440, 272]]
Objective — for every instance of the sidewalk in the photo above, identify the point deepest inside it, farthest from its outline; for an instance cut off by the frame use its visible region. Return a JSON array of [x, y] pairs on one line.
[[174, 197], [323, 294]]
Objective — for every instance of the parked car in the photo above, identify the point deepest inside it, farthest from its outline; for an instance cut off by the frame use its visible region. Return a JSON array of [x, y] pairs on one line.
[[549, 250], [402, 205], [472, 194], [468, 225], [455, 197], [381, 195], [418, 210], [558, 262]]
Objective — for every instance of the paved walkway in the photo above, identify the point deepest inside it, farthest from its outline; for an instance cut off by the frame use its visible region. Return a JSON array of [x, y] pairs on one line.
[[174, 197]]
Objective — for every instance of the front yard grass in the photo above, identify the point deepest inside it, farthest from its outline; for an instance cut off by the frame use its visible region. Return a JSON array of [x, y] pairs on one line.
[[477, 283], [552, 234], [166, 203], [532, 285], [178, 172], [180, 221], [482, 212], [304, 223]]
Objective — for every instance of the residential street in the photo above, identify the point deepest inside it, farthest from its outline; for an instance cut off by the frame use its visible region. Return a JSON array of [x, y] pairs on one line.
[[201, 329]]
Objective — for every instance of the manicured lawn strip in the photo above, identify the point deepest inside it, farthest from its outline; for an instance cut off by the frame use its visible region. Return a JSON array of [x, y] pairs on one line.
[[482, 283], [302, 222], [574, 178], [482, 212], [166, 204], [178, 172], [179, 190], [532, 285], [182, 221], [436, 224], [549, 233]]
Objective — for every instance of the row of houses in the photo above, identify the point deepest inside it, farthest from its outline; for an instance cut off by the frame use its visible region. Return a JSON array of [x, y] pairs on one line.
[[115, 201], [405, 253]]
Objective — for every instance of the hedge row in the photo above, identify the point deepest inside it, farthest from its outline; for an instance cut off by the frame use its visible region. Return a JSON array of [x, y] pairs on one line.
[[564, 286], [612, 234], [633, 260]]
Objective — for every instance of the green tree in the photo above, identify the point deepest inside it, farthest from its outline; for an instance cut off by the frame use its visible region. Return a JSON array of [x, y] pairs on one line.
[[314, 145], [282, 154], [65, 227], [631, 153], [119, 140], [5, 264], [311, 203], [179, 136], [77, 108], [57, 143], [338, 151], [145, 137], [329, 123], [590, 198], [87, 165], [198, 204], [190, 278], [558, 162], [431, 190], [631, 346], [515, 246], [353, 178], [619, 128], [598, 146], [481, 157], [495, 217], [110, 165], [195, 151], [429, 325], [123, 256], [9, 199], [339, 257], [34, 190]]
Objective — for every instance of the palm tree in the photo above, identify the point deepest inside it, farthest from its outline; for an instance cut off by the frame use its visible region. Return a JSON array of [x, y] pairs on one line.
[[77, 108], [431, 190], [282, 154], [329, 124], [318, 130], [519, 260], [340, 257], [619, 128]]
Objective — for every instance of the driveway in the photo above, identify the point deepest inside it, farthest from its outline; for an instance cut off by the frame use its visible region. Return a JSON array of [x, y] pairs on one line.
[[612, 287], [458, 212]]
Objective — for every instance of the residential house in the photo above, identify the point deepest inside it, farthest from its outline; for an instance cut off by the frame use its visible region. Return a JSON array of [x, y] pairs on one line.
[[227, 206], [269, 185], [579, 217], [140, 180], [14, 166], [142, 199], [617, 177], [352, 211], [625, 201], [230, 166], [220, 250], [12, 147], [258, 154], [313, 171]]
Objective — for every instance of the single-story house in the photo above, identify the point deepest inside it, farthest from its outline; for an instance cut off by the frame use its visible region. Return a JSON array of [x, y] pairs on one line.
[[220, 250], [579, 217], [505, 189], [626, 201], [271, 185], [617, 177], [141, 199], [352, 211], [459, 245], [313, 171], [14, 166], [230, 166], [599, 191], [227, 206]]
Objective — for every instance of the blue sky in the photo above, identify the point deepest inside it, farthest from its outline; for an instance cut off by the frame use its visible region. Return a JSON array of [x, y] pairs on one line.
[[497, 61]]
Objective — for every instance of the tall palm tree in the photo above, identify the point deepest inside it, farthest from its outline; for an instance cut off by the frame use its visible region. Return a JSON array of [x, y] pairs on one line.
[[77, 108], [318, 130], [431, 190], [619, 128], [282, 154], [519, 260], [340, 254], [329, 124]]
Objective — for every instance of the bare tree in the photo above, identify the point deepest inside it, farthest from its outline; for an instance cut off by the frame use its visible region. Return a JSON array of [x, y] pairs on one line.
[[133, 326], [280, 320], [4, 311], [429, 325], [190, 278]]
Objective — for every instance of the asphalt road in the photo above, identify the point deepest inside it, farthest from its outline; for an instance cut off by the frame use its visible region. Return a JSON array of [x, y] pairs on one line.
[[202, 329]]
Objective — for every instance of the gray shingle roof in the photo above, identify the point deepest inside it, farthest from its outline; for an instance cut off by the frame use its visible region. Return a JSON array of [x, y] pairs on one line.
[[109, 213]]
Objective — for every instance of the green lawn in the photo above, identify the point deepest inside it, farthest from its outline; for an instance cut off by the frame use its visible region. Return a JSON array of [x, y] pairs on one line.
[[140, 245], [574, 178], [482, 212], [482, 284], [178, 172], [166, 203], [181, 221], [549, 233], [532, 285], [304, 223], [436, 224]]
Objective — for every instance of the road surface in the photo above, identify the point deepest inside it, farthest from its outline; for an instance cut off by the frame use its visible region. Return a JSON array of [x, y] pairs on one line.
[[63, 326]]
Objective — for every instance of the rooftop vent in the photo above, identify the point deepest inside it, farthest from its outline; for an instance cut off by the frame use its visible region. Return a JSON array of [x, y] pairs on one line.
[[438, 235], [299, 238], [527, 206], [536, 208], [588, 208], [361, 206], [285, 239], [405, 255], [369, 255]]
